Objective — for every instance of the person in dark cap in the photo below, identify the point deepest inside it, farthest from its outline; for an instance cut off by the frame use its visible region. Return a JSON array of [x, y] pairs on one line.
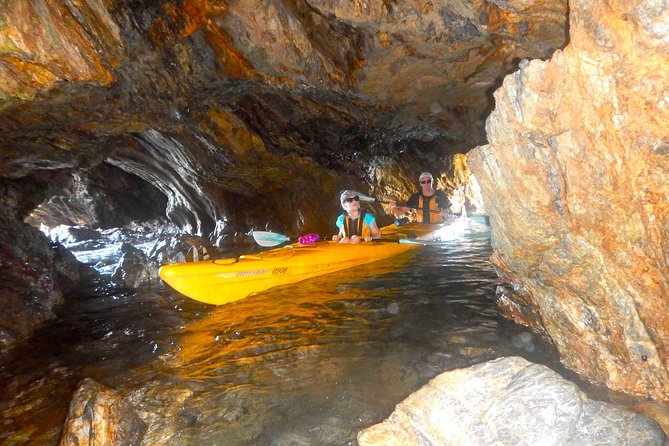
[[355, 225]]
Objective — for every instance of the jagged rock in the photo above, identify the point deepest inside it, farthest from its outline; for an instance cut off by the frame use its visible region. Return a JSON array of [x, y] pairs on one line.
[[135, 269], [35, 276], [165, 410], [182, 249], [99, 416], [576, 180], [103, 197], [508, 401]]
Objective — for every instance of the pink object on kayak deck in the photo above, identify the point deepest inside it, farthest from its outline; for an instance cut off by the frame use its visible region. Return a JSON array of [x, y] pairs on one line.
[[308, 238]]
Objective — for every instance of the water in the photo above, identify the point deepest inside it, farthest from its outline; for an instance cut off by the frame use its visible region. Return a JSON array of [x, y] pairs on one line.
[[306, 364]]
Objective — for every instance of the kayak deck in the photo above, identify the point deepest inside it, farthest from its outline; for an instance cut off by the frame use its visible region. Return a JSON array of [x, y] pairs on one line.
[[227, 280], [410, 230], [455, 227]]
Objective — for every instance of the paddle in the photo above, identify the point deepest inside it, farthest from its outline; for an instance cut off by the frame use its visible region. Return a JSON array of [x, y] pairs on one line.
[[266, 238], [269, 239]]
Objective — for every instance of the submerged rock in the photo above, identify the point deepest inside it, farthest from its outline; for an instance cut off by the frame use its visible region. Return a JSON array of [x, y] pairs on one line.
[[508, 401], [99, 416], [135, 269]]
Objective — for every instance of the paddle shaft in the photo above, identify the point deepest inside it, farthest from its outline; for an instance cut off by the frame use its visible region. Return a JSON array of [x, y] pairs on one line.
[[369, 199], [381, 239], [404, 205], [270, 239]]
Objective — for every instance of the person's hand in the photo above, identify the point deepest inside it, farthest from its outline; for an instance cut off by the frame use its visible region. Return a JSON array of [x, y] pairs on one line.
[[335, 238], [394, 208], [355, 239], [368, 238]]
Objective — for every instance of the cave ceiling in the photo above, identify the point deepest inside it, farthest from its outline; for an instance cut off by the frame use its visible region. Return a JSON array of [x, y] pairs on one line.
[[275, 103]]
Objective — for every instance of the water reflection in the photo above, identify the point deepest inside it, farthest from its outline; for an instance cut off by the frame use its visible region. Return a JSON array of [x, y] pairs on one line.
[[310, 363], [316, 362]]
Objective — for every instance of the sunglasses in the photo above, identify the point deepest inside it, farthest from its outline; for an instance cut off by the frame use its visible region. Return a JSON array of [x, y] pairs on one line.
[[426, 182], [351, 199]]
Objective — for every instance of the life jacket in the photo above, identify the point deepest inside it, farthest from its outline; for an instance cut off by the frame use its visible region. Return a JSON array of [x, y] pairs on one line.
[[357, 226], [423, 214]]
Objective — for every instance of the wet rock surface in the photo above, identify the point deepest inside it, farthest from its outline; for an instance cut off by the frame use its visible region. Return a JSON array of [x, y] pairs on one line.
[[36, 273], [99, 415], [576, 183], [508, 401]]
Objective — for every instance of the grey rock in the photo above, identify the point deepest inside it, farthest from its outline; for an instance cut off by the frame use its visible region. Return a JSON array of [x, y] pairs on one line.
[[509, 401]]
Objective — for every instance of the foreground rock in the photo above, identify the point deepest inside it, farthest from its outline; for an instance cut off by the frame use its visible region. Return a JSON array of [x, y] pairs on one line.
[[576, 180], [508, 401], [99, 416]]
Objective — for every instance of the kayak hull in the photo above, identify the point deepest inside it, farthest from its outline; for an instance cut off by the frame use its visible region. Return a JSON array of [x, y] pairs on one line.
[[222, 281]]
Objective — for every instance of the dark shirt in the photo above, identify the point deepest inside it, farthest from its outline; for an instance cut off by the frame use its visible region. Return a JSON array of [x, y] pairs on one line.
[[427, 214], [442, 200]]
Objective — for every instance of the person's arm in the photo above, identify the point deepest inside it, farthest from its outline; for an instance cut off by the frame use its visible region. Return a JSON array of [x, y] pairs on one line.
[[444, 204], [397, 210], [340, 225], [339, 236], [374, 228], [400, 211], [370, 221]]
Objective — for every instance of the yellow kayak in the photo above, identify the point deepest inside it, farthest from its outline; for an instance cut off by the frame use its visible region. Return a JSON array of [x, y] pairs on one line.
[[226, 280]]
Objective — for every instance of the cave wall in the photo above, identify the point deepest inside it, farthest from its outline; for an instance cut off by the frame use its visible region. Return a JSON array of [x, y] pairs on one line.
[[576, 180], [100, 197], [313, 97], [241, 114], [35, 273]]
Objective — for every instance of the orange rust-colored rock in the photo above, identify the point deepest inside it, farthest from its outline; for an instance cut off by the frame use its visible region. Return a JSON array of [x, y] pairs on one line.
[[576, 178], [232, 59], [232, 133], [44, 42]]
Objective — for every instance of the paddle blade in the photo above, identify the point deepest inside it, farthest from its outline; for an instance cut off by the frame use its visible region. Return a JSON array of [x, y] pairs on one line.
[[267, 239]]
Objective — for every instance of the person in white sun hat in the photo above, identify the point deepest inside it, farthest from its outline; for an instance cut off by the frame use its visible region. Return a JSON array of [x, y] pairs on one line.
[[355, 225]]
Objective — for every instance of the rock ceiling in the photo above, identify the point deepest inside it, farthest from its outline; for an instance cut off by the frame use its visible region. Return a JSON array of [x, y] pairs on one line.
[[217, 103]]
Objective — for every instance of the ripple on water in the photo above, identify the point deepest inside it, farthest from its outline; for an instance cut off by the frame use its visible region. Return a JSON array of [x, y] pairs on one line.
[[311, 363]]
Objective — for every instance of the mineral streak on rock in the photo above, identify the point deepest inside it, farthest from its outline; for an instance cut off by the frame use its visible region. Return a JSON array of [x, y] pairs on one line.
[[42, 43], [576, 179]]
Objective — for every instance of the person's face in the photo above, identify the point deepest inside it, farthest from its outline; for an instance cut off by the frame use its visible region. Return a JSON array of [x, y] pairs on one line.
[[425, 184], [351, 203]]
